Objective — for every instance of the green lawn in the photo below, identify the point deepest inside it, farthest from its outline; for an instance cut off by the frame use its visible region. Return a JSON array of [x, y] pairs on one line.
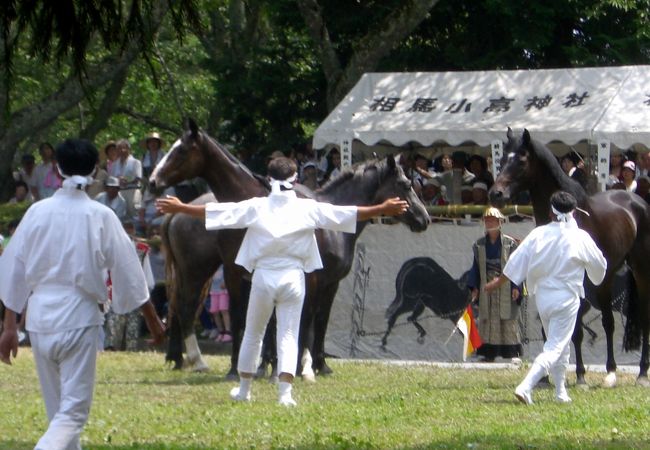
[[141, 404]]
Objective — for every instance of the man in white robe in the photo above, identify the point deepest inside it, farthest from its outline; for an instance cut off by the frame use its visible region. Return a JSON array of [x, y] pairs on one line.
[[553, 259], [58, 259], [279, 247]]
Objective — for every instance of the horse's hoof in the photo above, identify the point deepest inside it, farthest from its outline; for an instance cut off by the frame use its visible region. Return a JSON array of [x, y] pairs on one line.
[[309, 377], [230, 376], [643, 381], [420, 340], [610, 380], [325, 370], [261, 372], [200, 367], [274, 379]]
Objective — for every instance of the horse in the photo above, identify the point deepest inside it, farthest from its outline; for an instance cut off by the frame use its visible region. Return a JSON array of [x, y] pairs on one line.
[[619, 223], [421, 282], [196, 154]]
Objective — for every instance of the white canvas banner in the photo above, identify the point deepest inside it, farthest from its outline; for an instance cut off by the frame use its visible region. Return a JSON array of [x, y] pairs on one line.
[[358, 319]]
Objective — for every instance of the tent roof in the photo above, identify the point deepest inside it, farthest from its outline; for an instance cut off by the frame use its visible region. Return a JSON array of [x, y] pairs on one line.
[[568, 105]]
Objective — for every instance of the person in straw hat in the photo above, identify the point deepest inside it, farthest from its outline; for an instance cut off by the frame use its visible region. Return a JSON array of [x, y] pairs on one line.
[[152, 144], [498, 311]]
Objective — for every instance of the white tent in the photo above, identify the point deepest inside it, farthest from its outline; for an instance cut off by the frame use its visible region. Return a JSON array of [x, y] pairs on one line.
[[604, 104]]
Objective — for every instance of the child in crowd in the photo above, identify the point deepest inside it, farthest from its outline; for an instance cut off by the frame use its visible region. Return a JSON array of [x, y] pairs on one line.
[[219, 306]]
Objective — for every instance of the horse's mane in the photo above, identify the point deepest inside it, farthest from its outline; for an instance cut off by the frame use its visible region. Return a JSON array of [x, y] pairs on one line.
[[356, 170], [568, 184], [237, 162]]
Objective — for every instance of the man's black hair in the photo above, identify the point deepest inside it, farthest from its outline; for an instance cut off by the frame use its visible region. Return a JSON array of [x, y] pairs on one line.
[[76, 157], [563, 201], [281, 168]]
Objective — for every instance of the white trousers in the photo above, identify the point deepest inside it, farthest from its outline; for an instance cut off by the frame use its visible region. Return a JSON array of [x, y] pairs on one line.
[[66, 364], [558, 311], [283, 290]]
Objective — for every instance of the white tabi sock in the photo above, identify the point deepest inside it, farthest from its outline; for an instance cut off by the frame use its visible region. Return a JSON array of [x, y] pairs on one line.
[[559, 378], [243, 392], [284, 394]]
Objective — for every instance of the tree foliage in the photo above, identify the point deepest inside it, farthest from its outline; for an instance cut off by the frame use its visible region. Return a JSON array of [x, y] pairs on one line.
[[260, 75], [66, 28]]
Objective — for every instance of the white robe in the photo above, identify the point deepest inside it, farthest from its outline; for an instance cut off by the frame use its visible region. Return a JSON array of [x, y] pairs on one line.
[[281, 228], [279, 245], [553, 259], [59, 257], [555, 256]]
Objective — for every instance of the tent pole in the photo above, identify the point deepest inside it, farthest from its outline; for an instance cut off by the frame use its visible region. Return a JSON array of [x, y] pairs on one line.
[[345, 146], [604, 149]]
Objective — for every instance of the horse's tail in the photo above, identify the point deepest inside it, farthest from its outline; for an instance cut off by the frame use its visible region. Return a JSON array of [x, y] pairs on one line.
[[633, 326]]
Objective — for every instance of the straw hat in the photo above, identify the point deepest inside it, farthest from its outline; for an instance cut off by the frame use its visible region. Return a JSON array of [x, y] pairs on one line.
[[108, 145], [155, 136], [112, 182], [493, 212]]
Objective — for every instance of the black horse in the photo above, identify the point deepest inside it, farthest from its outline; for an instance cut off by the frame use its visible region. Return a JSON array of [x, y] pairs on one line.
[[619, 223], [420, 283], [198, 155]]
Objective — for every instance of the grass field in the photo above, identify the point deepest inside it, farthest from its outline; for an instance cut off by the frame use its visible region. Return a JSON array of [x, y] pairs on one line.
[[142, 404]]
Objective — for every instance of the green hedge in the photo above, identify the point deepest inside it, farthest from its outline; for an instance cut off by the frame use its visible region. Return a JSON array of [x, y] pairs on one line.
[[9, 212]]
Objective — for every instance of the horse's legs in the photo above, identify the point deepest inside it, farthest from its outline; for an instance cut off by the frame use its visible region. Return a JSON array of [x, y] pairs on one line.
[[269, 352], [321, 320], [578, 335], [640, 266], [413, 318], [391, 323], [175, 344], [604, 296], [187, 316], [239, 294]]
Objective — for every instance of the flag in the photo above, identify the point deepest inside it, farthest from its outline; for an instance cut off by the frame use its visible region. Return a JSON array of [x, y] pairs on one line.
[[467, 326]]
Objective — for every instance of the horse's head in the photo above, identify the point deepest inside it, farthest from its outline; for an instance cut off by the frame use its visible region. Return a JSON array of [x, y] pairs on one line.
[[184, 160], [394, 183], [516, 165]]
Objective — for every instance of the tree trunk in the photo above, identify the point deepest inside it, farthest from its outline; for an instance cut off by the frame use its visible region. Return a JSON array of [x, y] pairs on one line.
[[28, 120], [369, 50], [32, 118], [107, 107]]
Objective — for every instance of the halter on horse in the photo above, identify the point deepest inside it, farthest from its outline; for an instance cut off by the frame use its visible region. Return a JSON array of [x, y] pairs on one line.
[[198, 155], [619, 223]]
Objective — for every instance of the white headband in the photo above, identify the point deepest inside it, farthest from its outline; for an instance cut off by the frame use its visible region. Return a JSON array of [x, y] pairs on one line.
[[77, 181], [562, 217], [287, 184]]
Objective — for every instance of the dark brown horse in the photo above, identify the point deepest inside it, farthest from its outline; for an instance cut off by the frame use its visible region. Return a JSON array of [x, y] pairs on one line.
[[197, 155], [619, 223]]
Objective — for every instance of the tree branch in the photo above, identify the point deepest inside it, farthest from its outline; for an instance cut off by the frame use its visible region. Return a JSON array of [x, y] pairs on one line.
[[107, 107], [312, 15], [170, 82], [149, 120], [372, 48]]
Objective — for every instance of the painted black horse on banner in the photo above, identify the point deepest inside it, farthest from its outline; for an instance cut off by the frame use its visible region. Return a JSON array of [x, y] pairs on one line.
[[422, 283]]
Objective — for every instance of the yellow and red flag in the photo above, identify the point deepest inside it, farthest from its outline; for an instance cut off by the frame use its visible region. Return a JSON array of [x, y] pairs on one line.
[[467, 326]]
